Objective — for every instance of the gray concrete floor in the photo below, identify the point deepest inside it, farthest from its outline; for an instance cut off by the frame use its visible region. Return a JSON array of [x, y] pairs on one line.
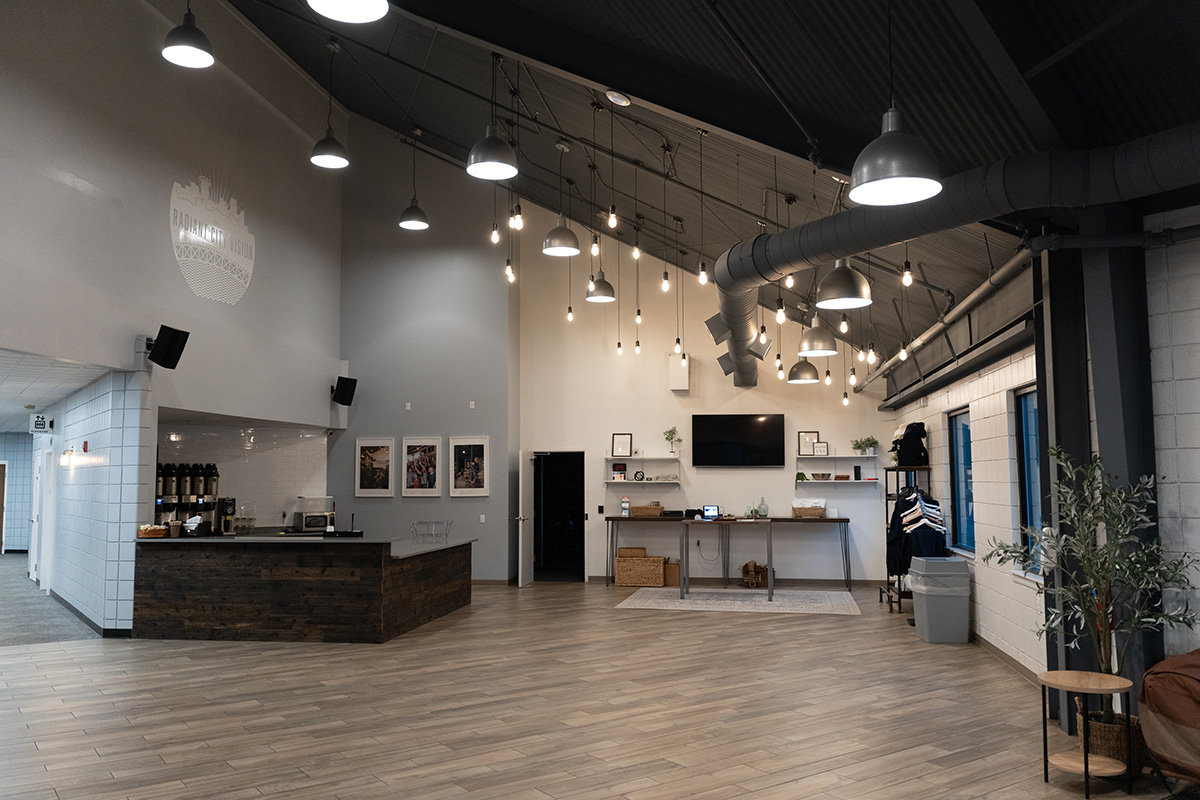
[[29, 615]]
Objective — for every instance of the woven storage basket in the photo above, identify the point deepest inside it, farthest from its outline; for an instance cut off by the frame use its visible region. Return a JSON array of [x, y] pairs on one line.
[[808, 512], [1109, 739], [646, 511], [640, 571], [631, 552]]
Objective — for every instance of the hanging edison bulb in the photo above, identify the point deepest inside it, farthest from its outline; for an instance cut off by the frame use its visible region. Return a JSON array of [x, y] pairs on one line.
[[762, 335], [666, 284], [591, 283], [853, 377], [780, 314], [678, 345], [570, 314], [495, 237], [619, 350], [703, 274], [789, 281], [638, 319], [637, 347], [845, 399], [828, 378], [779, 365], [871, 357], [612, 216], [907, 277], [862, 355], [904, 352], [595, 244], [845, 326], [637, 252]]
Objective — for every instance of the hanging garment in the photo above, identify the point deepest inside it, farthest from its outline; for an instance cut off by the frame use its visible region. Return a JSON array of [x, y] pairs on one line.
[[917, 528]]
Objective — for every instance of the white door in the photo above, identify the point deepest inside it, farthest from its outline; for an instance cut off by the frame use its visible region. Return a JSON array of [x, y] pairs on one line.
[[525, 550], [48, 522]]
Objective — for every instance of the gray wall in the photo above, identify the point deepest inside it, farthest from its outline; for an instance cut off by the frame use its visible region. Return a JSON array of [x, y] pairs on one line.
[[425, 321]]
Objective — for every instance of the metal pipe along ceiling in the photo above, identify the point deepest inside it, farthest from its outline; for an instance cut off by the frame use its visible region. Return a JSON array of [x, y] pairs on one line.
[[1063, 178]]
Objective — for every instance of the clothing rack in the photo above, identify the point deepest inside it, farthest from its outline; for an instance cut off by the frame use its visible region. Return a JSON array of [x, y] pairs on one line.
[[899, 483]]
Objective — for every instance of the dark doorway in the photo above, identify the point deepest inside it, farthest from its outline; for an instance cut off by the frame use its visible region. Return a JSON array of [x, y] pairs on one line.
[[558, 517]]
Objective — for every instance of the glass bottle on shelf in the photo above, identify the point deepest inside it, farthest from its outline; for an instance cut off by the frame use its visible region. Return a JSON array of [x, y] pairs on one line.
[[762, 506]]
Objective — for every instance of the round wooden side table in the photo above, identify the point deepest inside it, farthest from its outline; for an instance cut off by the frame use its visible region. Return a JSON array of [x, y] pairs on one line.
[[1087, 684]]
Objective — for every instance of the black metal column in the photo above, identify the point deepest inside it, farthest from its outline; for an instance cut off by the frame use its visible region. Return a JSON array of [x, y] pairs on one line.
[[1062, 374], [1114, 287]]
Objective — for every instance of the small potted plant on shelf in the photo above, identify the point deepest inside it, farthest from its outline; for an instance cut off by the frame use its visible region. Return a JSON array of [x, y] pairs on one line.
[[672, 436], [865, 446], [1109, 582]]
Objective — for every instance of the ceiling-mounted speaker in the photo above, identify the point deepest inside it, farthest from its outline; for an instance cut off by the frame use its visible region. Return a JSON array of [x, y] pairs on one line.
[[343, 392], [166, 348]]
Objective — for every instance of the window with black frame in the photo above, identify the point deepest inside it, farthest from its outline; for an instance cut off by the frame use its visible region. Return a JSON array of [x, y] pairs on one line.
[[1029, 468], [961, 499]]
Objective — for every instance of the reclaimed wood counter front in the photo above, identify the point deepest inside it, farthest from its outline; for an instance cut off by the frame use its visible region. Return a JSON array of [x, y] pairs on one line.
[[295, 588]]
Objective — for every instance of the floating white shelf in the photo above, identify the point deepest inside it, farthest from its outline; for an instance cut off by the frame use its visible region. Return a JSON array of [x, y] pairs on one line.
[[642, 483]]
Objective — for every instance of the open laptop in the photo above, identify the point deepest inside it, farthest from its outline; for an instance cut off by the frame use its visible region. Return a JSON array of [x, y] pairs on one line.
[[711, 512]]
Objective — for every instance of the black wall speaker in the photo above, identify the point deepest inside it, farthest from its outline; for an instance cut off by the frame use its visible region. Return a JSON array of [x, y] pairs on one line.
[[167, 347], [343, 393]]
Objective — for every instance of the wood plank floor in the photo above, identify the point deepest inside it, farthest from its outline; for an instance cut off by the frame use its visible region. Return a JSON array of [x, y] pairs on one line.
[[544, 692]]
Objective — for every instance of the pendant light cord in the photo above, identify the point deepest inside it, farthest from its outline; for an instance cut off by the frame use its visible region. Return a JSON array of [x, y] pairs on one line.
[[703, 133], [329, 112], [891, 90]]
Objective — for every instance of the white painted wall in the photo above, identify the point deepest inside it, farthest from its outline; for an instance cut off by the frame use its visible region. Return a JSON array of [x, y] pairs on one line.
[[1173, 296], [576, 392], [264, 468], [1005, 608], [97, 130], [16, 451]]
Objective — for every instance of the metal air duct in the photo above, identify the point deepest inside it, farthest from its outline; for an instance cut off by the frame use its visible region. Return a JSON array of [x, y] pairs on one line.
[[1064, 178]]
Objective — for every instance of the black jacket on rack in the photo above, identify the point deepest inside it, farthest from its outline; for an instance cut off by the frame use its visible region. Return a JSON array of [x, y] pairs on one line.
[[917, 528]]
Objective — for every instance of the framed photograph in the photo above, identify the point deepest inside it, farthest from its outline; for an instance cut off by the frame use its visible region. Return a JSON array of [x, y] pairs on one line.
[[622, 445], [468, 462], [820, 448], [422, 466], [375, 475], [806, 441]]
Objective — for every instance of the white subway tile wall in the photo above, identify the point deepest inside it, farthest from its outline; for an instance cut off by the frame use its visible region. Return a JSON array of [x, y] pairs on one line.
[[103, 495], [1005, 610], [1173, 291], [264, 468], [16, 451]]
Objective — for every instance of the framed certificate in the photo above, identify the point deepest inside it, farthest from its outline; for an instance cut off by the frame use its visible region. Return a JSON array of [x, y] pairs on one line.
[[806, 441], [622, 445]]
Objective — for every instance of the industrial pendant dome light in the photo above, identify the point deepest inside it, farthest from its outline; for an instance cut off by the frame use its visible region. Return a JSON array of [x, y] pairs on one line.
[[603, 291], [356, 11], [843, 288], [186, 45], [897, 168], [803, 372], [413, 218], [817, 341], [329, 153], [561, 241], [492, 158]]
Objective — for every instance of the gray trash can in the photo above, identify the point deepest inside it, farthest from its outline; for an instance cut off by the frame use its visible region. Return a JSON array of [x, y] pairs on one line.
[[941, 589]]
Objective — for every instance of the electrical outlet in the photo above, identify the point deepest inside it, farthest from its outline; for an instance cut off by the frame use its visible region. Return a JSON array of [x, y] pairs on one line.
[[408, 406], [472, 404], [482, 518], [697, 543], [600, 510]]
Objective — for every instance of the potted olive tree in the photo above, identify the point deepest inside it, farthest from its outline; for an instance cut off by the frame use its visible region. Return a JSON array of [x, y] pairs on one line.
[[1109, 581]]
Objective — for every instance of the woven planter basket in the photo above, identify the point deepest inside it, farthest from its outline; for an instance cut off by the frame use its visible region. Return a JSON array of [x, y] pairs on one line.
[[799, 513], [631, 552], [640, 571], [1108, 739], [645, 511]]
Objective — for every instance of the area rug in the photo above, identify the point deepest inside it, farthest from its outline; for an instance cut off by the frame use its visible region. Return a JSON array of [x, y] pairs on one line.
[[787, 601]]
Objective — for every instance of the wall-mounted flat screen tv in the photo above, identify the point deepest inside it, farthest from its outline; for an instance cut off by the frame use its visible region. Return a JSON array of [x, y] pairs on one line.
[[737, 440]]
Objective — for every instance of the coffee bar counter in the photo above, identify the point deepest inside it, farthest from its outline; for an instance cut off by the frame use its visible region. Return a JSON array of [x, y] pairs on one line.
[[274, 587]]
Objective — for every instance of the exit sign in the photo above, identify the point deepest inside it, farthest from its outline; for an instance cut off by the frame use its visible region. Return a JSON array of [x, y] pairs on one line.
[[40, 423]]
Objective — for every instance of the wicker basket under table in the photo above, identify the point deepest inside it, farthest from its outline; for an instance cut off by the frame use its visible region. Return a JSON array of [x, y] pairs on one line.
[[640, 571]]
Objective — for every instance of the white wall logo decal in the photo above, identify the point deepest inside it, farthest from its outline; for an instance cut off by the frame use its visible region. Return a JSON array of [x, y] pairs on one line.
[[214, 248]]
